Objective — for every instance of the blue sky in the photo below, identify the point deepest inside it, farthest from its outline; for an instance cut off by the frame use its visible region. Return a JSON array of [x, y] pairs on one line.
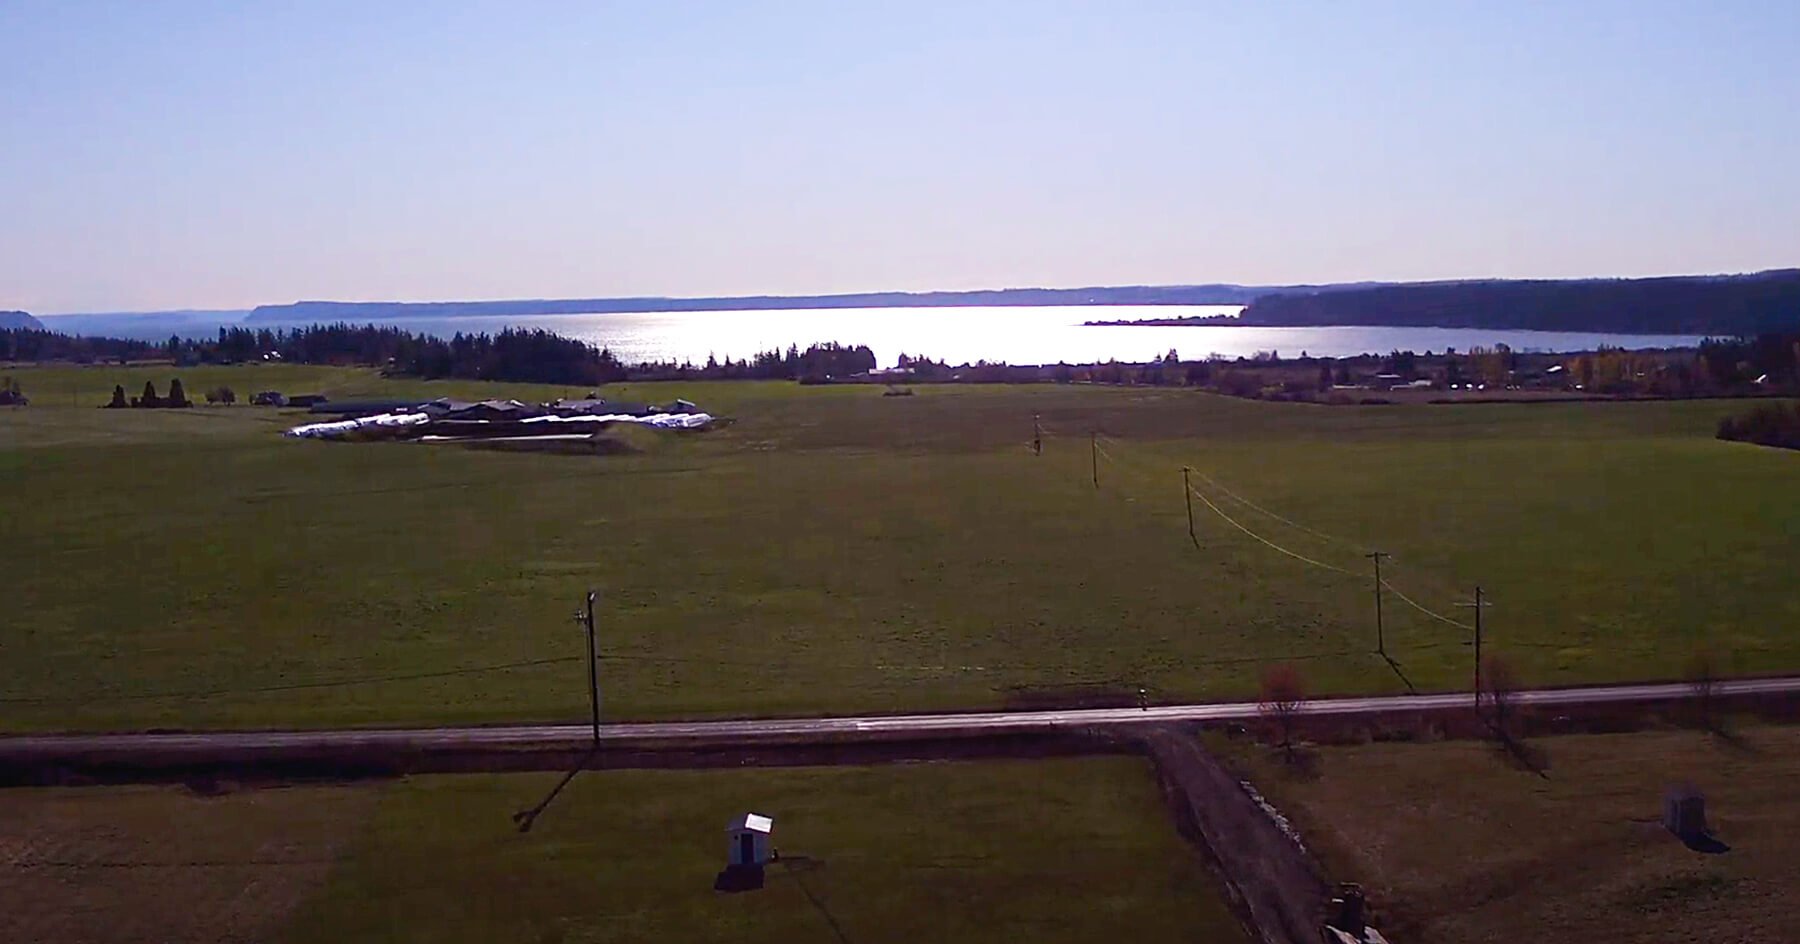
[[161, 155]]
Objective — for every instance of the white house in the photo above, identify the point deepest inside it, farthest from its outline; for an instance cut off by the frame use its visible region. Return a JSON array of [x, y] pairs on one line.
[[749, 839]]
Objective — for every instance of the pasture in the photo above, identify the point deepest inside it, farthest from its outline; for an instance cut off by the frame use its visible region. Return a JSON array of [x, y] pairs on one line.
[[1456, 845], [832, 550], [1054, 850]]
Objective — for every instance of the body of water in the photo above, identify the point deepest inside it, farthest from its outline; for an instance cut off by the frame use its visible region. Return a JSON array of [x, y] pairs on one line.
[[1017, 335]]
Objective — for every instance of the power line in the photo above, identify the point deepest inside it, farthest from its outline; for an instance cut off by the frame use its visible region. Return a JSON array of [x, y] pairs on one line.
[[1356, 546], [1236, 524], [1409, 601]]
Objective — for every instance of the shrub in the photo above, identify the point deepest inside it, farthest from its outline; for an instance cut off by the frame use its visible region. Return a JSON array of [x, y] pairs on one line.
[[1766, 424], [1283, 692]]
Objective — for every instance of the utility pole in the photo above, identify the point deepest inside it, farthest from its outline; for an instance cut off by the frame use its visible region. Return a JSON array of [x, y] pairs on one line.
[[1037, 436], [526, 817], [1187, 495], [1380, 642], [593, 660], [1094, 454], [1478, 605]]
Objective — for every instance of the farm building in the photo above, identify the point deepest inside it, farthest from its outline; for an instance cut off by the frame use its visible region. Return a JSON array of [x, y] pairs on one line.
[[493, 410], [749, 835], [365, 407]]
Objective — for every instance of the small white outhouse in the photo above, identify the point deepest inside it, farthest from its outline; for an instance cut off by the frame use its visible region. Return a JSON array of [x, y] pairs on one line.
[[749, 839]]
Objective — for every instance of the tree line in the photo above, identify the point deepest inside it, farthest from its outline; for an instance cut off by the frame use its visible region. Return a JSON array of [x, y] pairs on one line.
[[520, 355], [33, 344], [1698, 305], [1766, 424]]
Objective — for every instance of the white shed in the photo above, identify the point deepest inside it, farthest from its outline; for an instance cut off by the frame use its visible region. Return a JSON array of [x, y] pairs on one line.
[[749, 839]]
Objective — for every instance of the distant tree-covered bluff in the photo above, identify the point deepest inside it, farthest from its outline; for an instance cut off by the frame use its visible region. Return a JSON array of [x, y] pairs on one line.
[[1699, 305], [19, 321], [326, 311]]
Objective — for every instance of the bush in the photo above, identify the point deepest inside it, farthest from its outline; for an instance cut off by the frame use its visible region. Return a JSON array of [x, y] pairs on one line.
[[221, 395], [1283, 692], [1767, 424], [1240, 383]]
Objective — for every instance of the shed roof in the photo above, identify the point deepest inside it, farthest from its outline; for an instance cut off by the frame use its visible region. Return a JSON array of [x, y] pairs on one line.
[[752, 822]]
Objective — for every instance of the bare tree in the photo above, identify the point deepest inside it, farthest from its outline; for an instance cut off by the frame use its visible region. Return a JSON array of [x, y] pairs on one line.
[[1703, 684], [1283, 692], [1502, 686]]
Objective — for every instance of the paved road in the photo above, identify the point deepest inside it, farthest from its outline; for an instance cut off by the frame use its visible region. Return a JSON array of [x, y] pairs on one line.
[[27, 747]]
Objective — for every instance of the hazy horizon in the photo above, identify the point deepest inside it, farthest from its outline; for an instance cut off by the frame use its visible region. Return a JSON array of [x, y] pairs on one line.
[[528, 297], [177, 156]]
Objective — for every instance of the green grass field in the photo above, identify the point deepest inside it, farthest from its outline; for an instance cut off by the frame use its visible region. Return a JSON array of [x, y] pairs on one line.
[[834, 550], [1056, 850]]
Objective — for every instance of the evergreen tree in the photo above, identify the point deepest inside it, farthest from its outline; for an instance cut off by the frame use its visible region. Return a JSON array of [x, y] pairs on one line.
[[177, 396], [149, 399]]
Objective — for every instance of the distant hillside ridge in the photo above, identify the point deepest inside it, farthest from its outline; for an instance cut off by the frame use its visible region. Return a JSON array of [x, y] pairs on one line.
[[1698, 305], [326, 311], [18, 320]]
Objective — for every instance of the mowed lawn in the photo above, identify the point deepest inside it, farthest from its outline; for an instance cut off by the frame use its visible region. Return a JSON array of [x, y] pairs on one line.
[[834, 550], [1055, 850], [1456, 845]]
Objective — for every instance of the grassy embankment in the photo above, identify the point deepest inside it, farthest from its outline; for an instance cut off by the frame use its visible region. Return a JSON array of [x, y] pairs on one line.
[[1059, 850], [837, 551], [1457, 846]]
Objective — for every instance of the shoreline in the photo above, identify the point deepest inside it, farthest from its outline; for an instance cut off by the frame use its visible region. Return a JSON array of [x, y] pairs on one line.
[[1227, 321]]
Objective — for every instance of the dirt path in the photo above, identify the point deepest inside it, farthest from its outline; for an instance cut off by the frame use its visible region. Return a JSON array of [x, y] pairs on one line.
[[1279, 891]]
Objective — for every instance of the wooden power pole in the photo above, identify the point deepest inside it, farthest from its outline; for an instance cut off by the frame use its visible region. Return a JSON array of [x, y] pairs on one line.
[[1380, 641], [1479, 604], [1187, 495], [593, 661], [1094, 454]]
